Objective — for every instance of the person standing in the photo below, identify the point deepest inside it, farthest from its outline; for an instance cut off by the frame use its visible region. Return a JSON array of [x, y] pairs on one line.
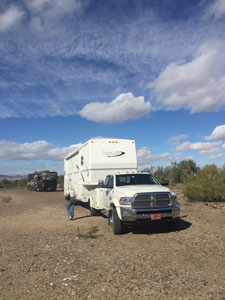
[[71, 200]]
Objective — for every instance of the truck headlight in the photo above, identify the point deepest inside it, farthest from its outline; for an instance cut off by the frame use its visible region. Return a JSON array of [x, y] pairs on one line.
[[173, 198], [125, 200]]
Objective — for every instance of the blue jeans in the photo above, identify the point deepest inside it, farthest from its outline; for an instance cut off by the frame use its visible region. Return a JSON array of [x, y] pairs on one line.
[[70, 207]]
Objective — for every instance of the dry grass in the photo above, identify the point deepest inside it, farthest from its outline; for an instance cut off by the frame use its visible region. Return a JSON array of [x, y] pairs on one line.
[[6, 199]]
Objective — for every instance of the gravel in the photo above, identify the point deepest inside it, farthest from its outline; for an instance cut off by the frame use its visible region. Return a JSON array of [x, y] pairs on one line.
[[45, 256]]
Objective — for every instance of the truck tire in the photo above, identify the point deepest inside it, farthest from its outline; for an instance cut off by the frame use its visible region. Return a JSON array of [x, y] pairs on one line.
[[174, 224], [116, 223]]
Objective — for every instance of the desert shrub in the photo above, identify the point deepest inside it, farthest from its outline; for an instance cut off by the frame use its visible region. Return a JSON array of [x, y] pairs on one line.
[[208, 184], [6, 199], [162, 173], [176, 172], [20, 183]]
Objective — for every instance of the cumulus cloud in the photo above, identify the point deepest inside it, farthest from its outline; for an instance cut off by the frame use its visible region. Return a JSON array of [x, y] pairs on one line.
[[216, 9], [54, 7], [203, 148], [145, 157], [217, 134], [38, 150], [198, 85], [217, 156], [175, 139], [37, 4], [10, 17], [124, 107], [46, 14]]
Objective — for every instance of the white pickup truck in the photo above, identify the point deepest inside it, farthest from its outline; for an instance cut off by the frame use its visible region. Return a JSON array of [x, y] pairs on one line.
[[134, 197], [125, 196]]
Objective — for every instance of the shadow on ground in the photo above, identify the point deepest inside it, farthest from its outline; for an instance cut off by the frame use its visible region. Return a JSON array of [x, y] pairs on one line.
[[157, 227]]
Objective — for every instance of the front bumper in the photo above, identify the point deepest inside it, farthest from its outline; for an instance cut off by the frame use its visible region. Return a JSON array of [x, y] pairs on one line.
[[131, 215]]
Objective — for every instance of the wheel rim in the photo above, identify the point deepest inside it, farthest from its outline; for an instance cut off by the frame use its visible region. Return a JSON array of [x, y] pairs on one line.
[[111, 220]]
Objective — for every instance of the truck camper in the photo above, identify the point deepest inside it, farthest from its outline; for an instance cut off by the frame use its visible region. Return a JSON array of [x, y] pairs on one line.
[[104, 173]]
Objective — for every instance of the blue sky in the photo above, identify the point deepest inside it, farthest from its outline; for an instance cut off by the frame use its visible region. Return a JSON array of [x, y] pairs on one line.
[[72, 70]]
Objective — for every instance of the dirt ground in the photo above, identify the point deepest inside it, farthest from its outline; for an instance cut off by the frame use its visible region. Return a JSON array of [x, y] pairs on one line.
[[45, 256]]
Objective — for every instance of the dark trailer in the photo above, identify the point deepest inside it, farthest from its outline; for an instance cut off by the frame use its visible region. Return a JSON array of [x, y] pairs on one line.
[[42, 181]]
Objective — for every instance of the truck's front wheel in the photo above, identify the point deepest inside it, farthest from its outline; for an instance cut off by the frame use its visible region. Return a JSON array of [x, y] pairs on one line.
[[115, 222]]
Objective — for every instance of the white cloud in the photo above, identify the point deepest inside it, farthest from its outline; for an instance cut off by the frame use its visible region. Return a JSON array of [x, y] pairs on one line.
[[213, 150], [145, 157], [217, 134], [198, 85], [54, 7], [175, 139], [38, 150], [203, 148], [10, 17], [48, 17], [223, 146], [124, 107], [216, 9], [218, 156], [37, 4]]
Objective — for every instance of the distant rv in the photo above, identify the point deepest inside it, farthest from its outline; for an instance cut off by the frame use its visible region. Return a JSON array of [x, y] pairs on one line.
[[42, 181]]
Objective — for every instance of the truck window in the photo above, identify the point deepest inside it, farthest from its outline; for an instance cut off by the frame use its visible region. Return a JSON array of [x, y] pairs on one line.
[[132, 179], [109, 180]]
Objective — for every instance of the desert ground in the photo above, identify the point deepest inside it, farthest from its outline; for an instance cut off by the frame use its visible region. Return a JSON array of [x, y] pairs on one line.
[[45, 256]]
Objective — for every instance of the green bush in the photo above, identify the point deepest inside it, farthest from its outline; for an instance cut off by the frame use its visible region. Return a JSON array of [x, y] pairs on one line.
[[176, 172], [162, 173], [207, 185], [20, 183]]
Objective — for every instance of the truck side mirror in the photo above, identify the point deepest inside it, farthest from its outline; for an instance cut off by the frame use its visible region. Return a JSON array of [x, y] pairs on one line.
[[165, 182], [101, 183]]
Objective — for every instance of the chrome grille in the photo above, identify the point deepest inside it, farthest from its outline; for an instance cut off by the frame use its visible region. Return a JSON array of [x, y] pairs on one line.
[[149, 200]]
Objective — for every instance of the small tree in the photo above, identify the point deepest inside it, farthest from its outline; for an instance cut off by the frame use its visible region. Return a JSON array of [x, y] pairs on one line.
[[207, 185]]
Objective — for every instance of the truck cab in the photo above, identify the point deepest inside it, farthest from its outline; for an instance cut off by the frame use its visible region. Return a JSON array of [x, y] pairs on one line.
[[130, 198]]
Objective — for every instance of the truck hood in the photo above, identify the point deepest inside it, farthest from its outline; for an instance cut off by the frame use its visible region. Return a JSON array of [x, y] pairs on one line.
[[130, 190]]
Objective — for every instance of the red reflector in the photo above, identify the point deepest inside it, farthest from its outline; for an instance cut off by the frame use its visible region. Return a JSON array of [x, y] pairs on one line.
[[156, 217]]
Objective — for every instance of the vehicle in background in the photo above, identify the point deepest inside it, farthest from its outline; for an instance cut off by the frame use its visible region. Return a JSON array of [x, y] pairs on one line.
[[42, 181], [104, 173]]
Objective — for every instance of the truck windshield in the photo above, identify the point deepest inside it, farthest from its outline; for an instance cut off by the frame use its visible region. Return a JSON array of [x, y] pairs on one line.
[[131, 179]]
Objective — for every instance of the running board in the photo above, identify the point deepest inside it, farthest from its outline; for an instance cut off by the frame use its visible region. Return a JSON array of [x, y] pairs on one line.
[[105, 212]]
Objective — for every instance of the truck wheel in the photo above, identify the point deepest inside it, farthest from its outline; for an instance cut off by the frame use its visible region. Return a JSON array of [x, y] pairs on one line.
[[116, 223], [174, 224]]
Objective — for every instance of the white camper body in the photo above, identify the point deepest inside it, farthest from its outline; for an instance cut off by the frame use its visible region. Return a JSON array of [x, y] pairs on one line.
[[96, 159]]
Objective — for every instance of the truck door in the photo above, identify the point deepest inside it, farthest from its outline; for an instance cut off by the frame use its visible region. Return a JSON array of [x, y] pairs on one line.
[[108, 191]]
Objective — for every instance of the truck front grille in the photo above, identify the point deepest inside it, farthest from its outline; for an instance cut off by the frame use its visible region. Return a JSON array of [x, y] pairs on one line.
[[148, 200]]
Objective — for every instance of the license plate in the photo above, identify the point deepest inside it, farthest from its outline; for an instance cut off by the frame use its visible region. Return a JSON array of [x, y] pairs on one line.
[[155, 217]]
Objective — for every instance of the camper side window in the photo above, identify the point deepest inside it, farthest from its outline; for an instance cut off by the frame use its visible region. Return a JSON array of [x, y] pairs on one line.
[[82, 160]]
